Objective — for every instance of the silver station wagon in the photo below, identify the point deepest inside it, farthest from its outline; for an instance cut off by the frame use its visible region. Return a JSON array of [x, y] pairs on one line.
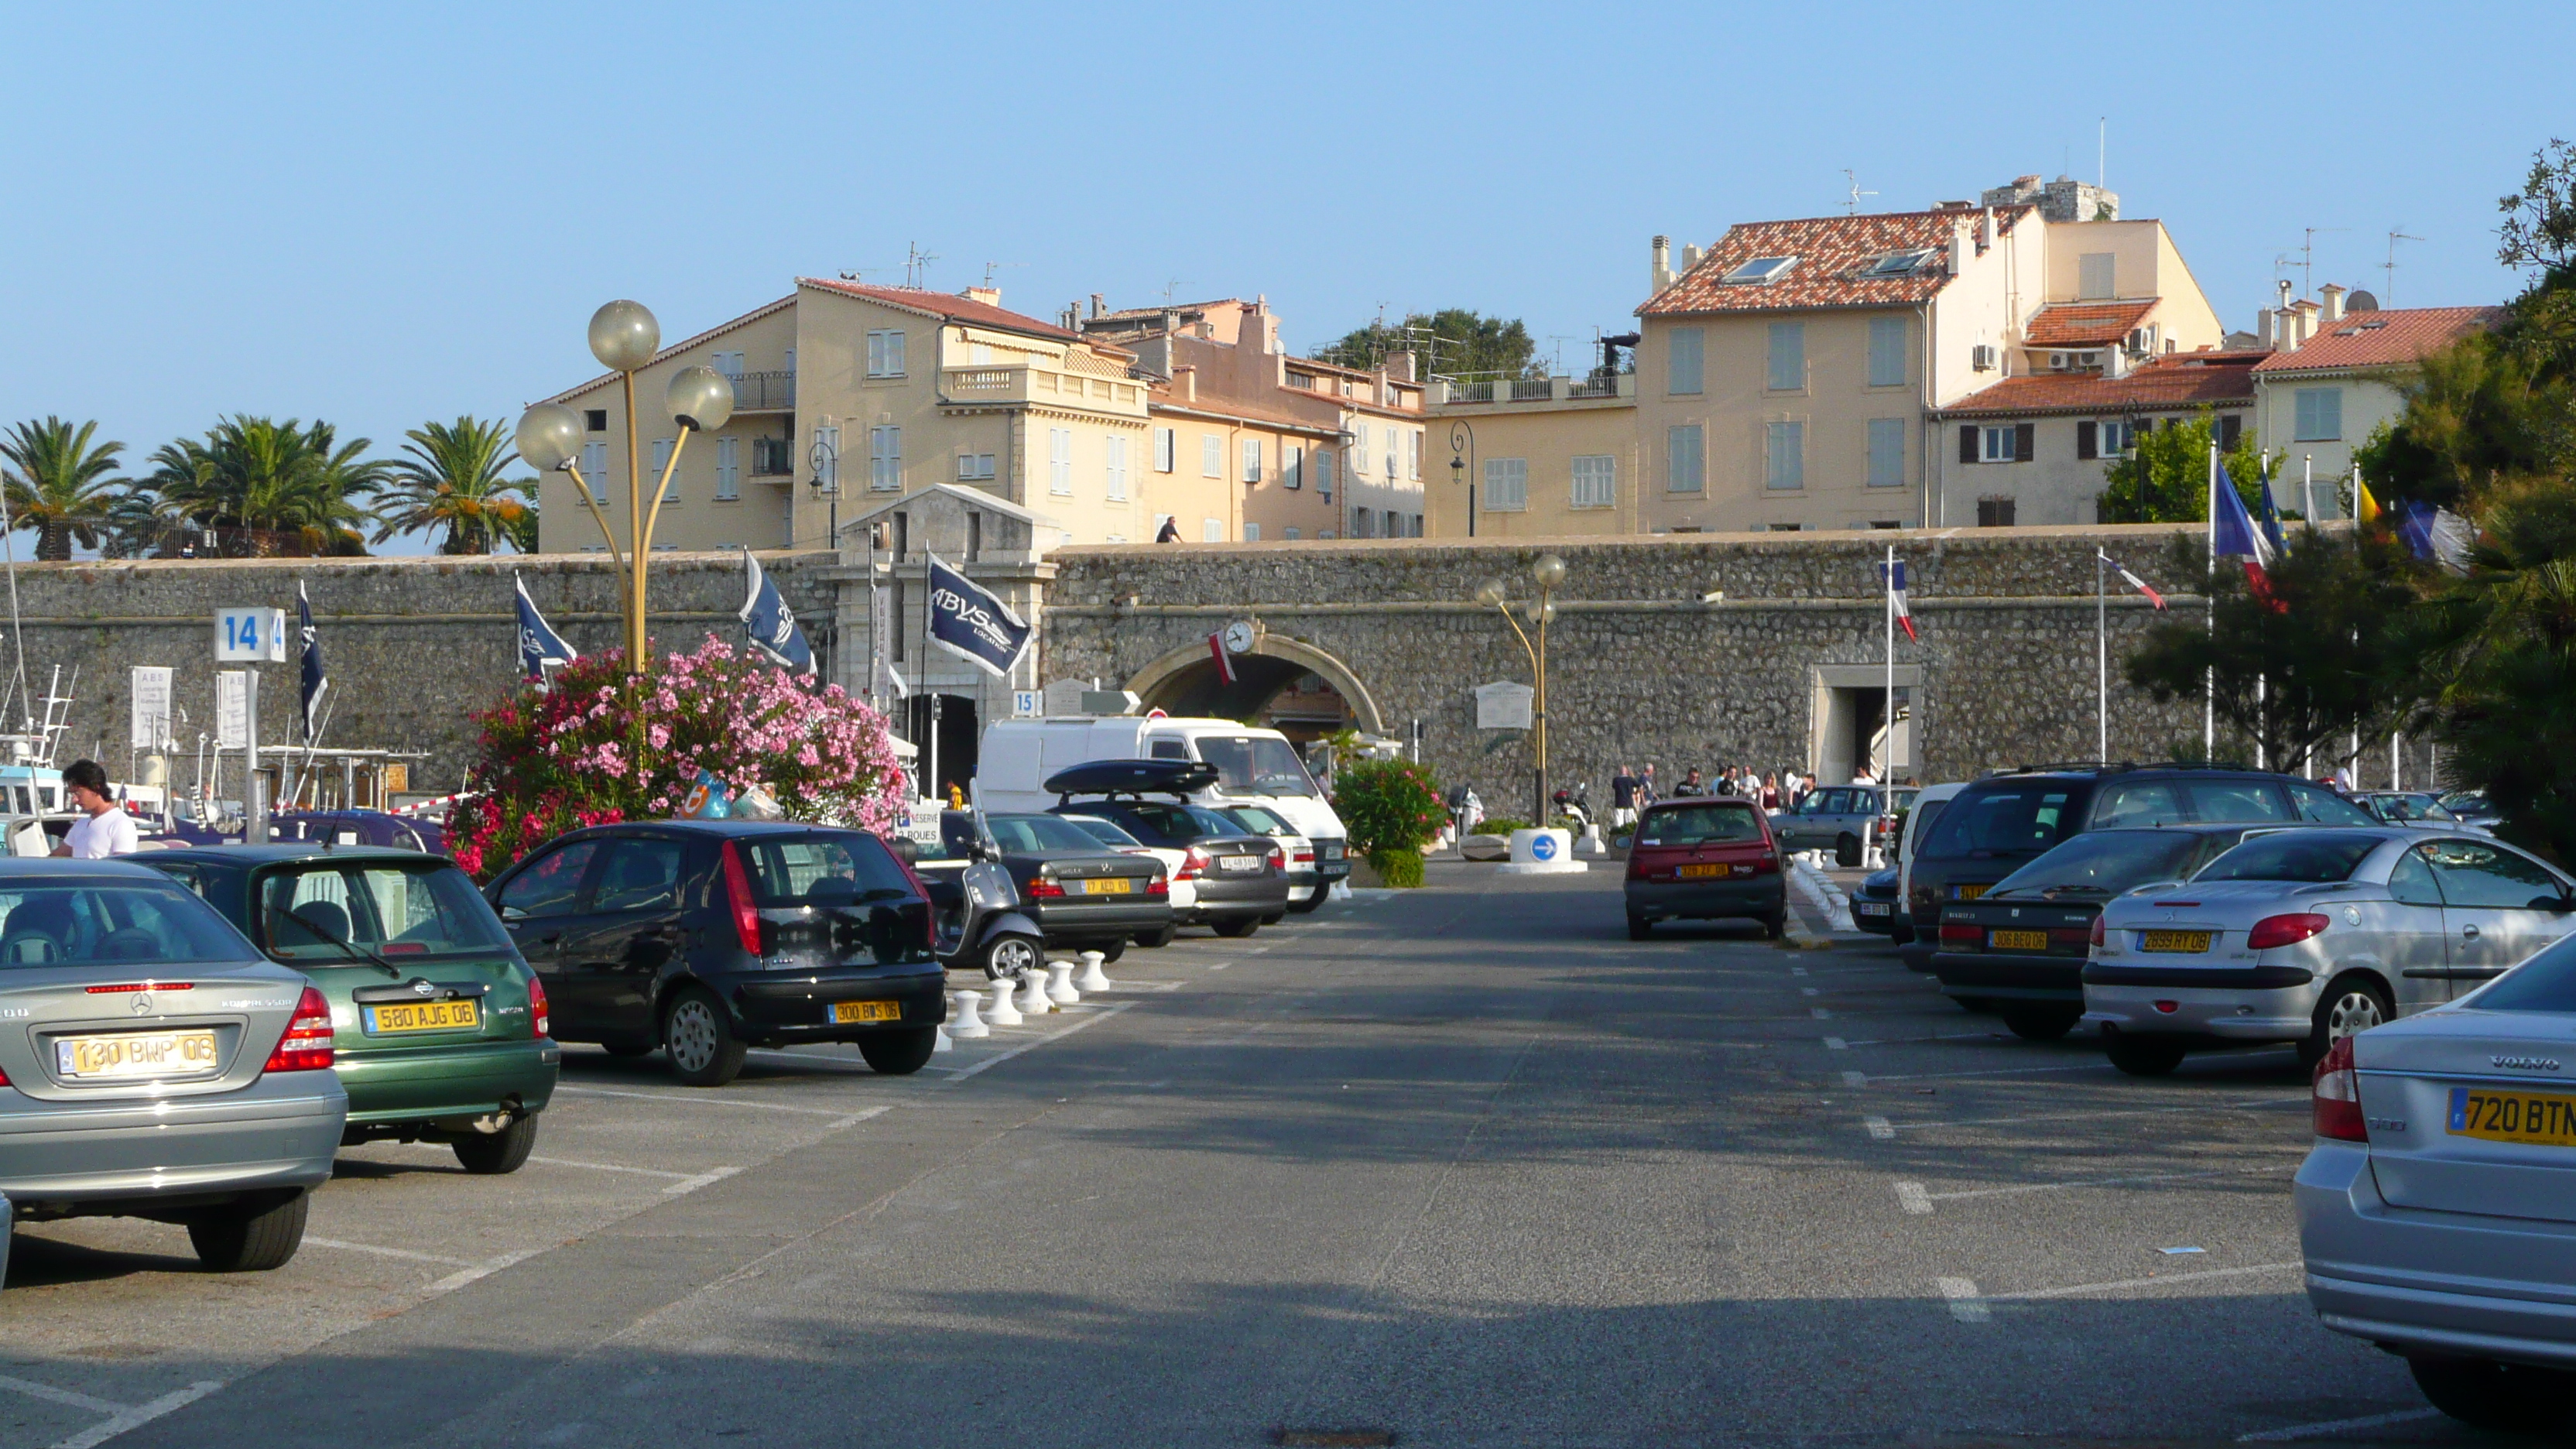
[[2308, 936], [154, 1064]]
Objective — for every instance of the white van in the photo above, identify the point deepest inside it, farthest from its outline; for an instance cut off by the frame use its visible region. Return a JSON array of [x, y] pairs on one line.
[[1254, 767]]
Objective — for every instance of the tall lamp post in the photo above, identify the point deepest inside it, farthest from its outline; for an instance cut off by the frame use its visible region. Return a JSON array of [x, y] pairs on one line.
[[624, 337], [827, 483], [1549, 574], [1462, 442]]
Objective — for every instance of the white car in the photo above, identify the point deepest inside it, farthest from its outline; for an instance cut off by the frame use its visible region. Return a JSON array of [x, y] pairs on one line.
[[1185, 889]]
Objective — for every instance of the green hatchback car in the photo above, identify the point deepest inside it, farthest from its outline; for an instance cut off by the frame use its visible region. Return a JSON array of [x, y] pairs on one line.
[[439, 1027]]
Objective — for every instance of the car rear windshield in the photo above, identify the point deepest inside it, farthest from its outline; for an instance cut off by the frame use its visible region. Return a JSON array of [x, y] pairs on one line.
[[1252, 765], [1103, 831], [2409, 807], [2008, 819], [1257, 821], [2546, 982], [1700, 825], [429, 909], [120, 924], [825, 868], [2311, 857], [1213, 823], [2105, 862], [1039, 833]]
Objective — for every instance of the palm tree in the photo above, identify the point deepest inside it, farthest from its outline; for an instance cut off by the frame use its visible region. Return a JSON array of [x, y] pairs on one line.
[[58, 483], [262, 486], [452, 486]]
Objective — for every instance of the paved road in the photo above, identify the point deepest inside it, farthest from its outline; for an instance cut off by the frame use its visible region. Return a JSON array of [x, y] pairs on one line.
[[1464, 1166]]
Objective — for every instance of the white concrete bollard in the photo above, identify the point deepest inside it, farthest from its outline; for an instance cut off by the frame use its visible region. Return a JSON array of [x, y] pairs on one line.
[[939, 1041], [1059, 988], [969, 1022], [1000, 1011], [1033, 997], [1092, 977], [1591, 844], [1341, 890]]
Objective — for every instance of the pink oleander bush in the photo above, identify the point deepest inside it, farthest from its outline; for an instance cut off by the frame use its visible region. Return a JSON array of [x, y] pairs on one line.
[[590, 750]]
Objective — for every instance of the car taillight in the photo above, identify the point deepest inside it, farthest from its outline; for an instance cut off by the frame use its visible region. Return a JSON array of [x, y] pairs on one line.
[[1158, 887], [2284, 930], [306, 1047], [1956, 934], [2100, 937], [2337, 1096], [1194, 863], [1279, 856], [538, 1016], [4, 1079], [1306, 856], [746, 912], [1766, 865], [1042, 889]]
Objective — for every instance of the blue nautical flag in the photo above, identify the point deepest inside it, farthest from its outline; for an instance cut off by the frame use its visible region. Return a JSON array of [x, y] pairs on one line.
[[314, 682], [770, 624], [973, 623], [539, 645]]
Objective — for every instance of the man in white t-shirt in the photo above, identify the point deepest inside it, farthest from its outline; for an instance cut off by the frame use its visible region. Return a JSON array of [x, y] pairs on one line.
[[107, 830]]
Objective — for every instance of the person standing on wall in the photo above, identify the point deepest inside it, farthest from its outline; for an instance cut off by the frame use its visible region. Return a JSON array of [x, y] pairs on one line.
[[107, 830]]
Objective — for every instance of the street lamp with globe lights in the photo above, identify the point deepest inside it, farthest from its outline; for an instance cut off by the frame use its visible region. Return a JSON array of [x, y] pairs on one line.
[[624, 337], [1548, 573]]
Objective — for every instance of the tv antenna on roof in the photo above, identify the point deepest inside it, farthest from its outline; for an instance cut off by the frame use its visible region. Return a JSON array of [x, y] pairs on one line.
[[916, 265], [992, 267], [1852, 207], [2308, 258], [2388, 293]]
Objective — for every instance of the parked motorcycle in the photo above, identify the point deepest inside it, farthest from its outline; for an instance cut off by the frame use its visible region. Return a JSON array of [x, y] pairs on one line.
[[1465, 809], [1576, 808]]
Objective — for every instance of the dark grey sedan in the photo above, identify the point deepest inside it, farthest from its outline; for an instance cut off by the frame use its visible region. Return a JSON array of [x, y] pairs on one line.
[[154, 1064]]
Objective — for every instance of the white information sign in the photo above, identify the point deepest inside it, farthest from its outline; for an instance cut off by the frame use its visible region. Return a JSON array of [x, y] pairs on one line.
[[232, 709], [1503, 706], [252, 636], [151, 707], [1024, 704]]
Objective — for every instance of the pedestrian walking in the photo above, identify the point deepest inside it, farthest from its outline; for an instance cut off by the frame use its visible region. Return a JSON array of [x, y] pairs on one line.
[[107, 830], [1623, 799], [1770, 792], [1691, 783], [1647, 793]]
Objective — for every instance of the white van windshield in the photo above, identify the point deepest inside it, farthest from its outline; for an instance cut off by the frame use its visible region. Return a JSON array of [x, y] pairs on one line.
[[1250, 765]]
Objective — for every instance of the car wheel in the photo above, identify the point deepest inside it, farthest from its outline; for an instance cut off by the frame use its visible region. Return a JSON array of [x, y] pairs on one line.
[[1156, 940], [1009, 954], [1239, 926], [1977, 1005], [2040, 1023], [699, 1039], [899, 1053], [503, 1151], [1274, 918], [1846, 850], [2144, 1056], [1314, 900], [1639, 928], [2350, 1004], [1775, 926], [1110, 950], [1901, 931], [2511, 1397], [243, 1239]]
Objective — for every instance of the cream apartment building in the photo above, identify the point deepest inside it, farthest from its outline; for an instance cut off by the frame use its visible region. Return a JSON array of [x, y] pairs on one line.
[[2336, 373], [1549, 458]]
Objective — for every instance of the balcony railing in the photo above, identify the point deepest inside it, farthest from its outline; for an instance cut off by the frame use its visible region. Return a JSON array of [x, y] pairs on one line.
[[764, 392], [772, 458], [1042, 385]]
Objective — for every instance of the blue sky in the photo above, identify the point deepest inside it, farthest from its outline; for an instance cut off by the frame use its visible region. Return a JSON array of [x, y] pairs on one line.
[[381, 214]]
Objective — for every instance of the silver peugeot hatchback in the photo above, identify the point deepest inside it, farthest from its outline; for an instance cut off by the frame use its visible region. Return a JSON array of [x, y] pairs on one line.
[[2308, 936], [154, 1064]]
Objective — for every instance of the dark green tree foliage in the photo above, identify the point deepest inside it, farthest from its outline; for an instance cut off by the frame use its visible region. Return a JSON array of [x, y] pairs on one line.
[[263, 487], [2482, 409], [1461, 343], [2165, 478], [2300, 672], [59, 483]]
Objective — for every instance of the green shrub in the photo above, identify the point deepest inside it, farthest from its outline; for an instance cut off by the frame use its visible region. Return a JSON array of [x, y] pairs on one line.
[[1387, 805], [1401, 869], [1499, 825]]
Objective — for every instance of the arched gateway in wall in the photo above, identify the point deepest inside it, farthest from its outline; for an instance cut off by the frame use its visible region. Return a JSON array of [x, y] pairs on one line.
[[1186, 682]]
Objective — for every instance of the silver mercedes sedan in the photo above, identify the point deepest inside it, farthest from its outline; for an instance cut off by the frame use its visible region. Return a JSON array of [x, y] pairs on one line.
[[154, 1064], [2437, 1210], [2308, 936]]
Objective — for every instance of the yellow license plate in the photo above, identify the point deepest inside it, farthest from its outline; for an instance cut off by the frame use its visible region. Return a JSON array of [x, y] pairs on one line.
[[1970, 893], [843, 1011], [1114, 885], [136, 1054], [2537, 1117], [2185, 943], [425, 1016], [1698, 872], [2018, 940]]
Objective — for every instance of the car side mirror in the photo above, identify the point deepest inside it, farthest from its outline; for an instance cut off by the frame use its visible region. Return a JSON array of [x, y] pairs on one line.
[[906, 849], [512, 914], [2557, 905]]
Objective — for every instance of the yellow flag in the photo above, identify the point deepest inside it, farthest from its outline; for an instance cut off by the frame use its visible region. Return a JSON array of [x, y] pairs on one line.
[[2364, 507]]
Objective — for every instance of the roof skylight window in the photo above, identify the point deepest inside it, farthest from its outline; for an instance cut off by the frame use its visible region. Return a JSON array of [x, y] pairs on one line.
[[1759, 271], [1896, 264]]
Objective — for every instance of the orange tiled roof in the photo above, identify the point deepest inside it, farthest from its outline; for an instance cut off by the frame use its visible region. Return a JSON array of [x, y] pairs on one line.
[[1831, 253], [2085, 324], [2395, 337], [2177, 382], [947, 306]]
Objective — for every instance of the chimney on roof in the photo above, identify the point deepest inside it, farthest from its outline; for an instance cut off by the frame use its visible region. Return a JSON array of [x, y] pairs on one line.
[[1986, 232], [1691, 254], [2263, 328], [1096, 307], [1186, 377], [2307, 313], [2285, 336], [2115, 361], [2334, 302], [1662, 274], [1400, 366], [989, 296], [1961, 235]]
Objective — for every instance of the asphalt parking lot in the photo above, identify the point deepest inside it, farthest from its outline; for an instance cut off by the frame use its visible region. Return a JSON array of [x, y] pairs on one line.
[[1456, 1166]]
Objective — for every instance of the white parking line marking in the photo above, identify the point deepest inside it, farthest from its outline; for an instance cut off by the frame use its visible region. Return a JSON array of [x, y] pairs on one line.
[[707, 1100], [484, 1269], [703, 1179], [962, 1073], [65, 1397], [1990, 1072], [139, 1415], [812, 1059], [1919, 1040], [1855, 1079], [1836, 1044], [2158, 1281], [608, 1167], [2020, 1188], [1819, 1013], [1879, 1128], [2337, 1426], [1911, 1197], [1219, 965], [1965, 1306], [2126, 1112], [382, 1252]]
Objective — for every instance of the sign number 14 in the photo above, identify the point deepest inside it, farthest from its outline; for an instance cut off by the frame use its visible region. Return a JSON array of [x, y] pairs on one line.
[[250, 636]]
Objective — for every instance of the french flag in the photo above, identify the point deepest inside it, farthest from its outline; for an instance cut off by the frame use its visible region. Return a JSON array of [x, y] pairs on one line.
[[1224, 661], [1894, 575], [2139, 584], [2232, 534]]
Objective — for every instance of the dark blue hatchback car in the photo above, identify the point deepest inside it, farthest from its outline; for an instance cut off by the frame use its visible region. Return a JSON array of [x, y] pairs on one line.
[[707, 938]]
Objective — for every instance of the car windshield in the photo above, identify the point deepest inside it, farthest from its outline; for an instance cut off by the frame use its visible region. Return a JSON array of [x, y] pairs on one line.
[[121, 924], [1212, 823], [1700, 825], [1257, 820], [2103, 863], [1039, 833], [2313, 857], [2546, 982], [2409, 807], [2013, 819], [840, 867], [1252, 765], [1103, 831], [429, 909]]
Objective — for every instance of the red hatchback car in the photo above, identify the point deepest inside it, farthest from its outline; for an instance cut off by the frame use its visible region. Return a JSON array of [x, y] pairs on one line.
[[1705, 859]]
